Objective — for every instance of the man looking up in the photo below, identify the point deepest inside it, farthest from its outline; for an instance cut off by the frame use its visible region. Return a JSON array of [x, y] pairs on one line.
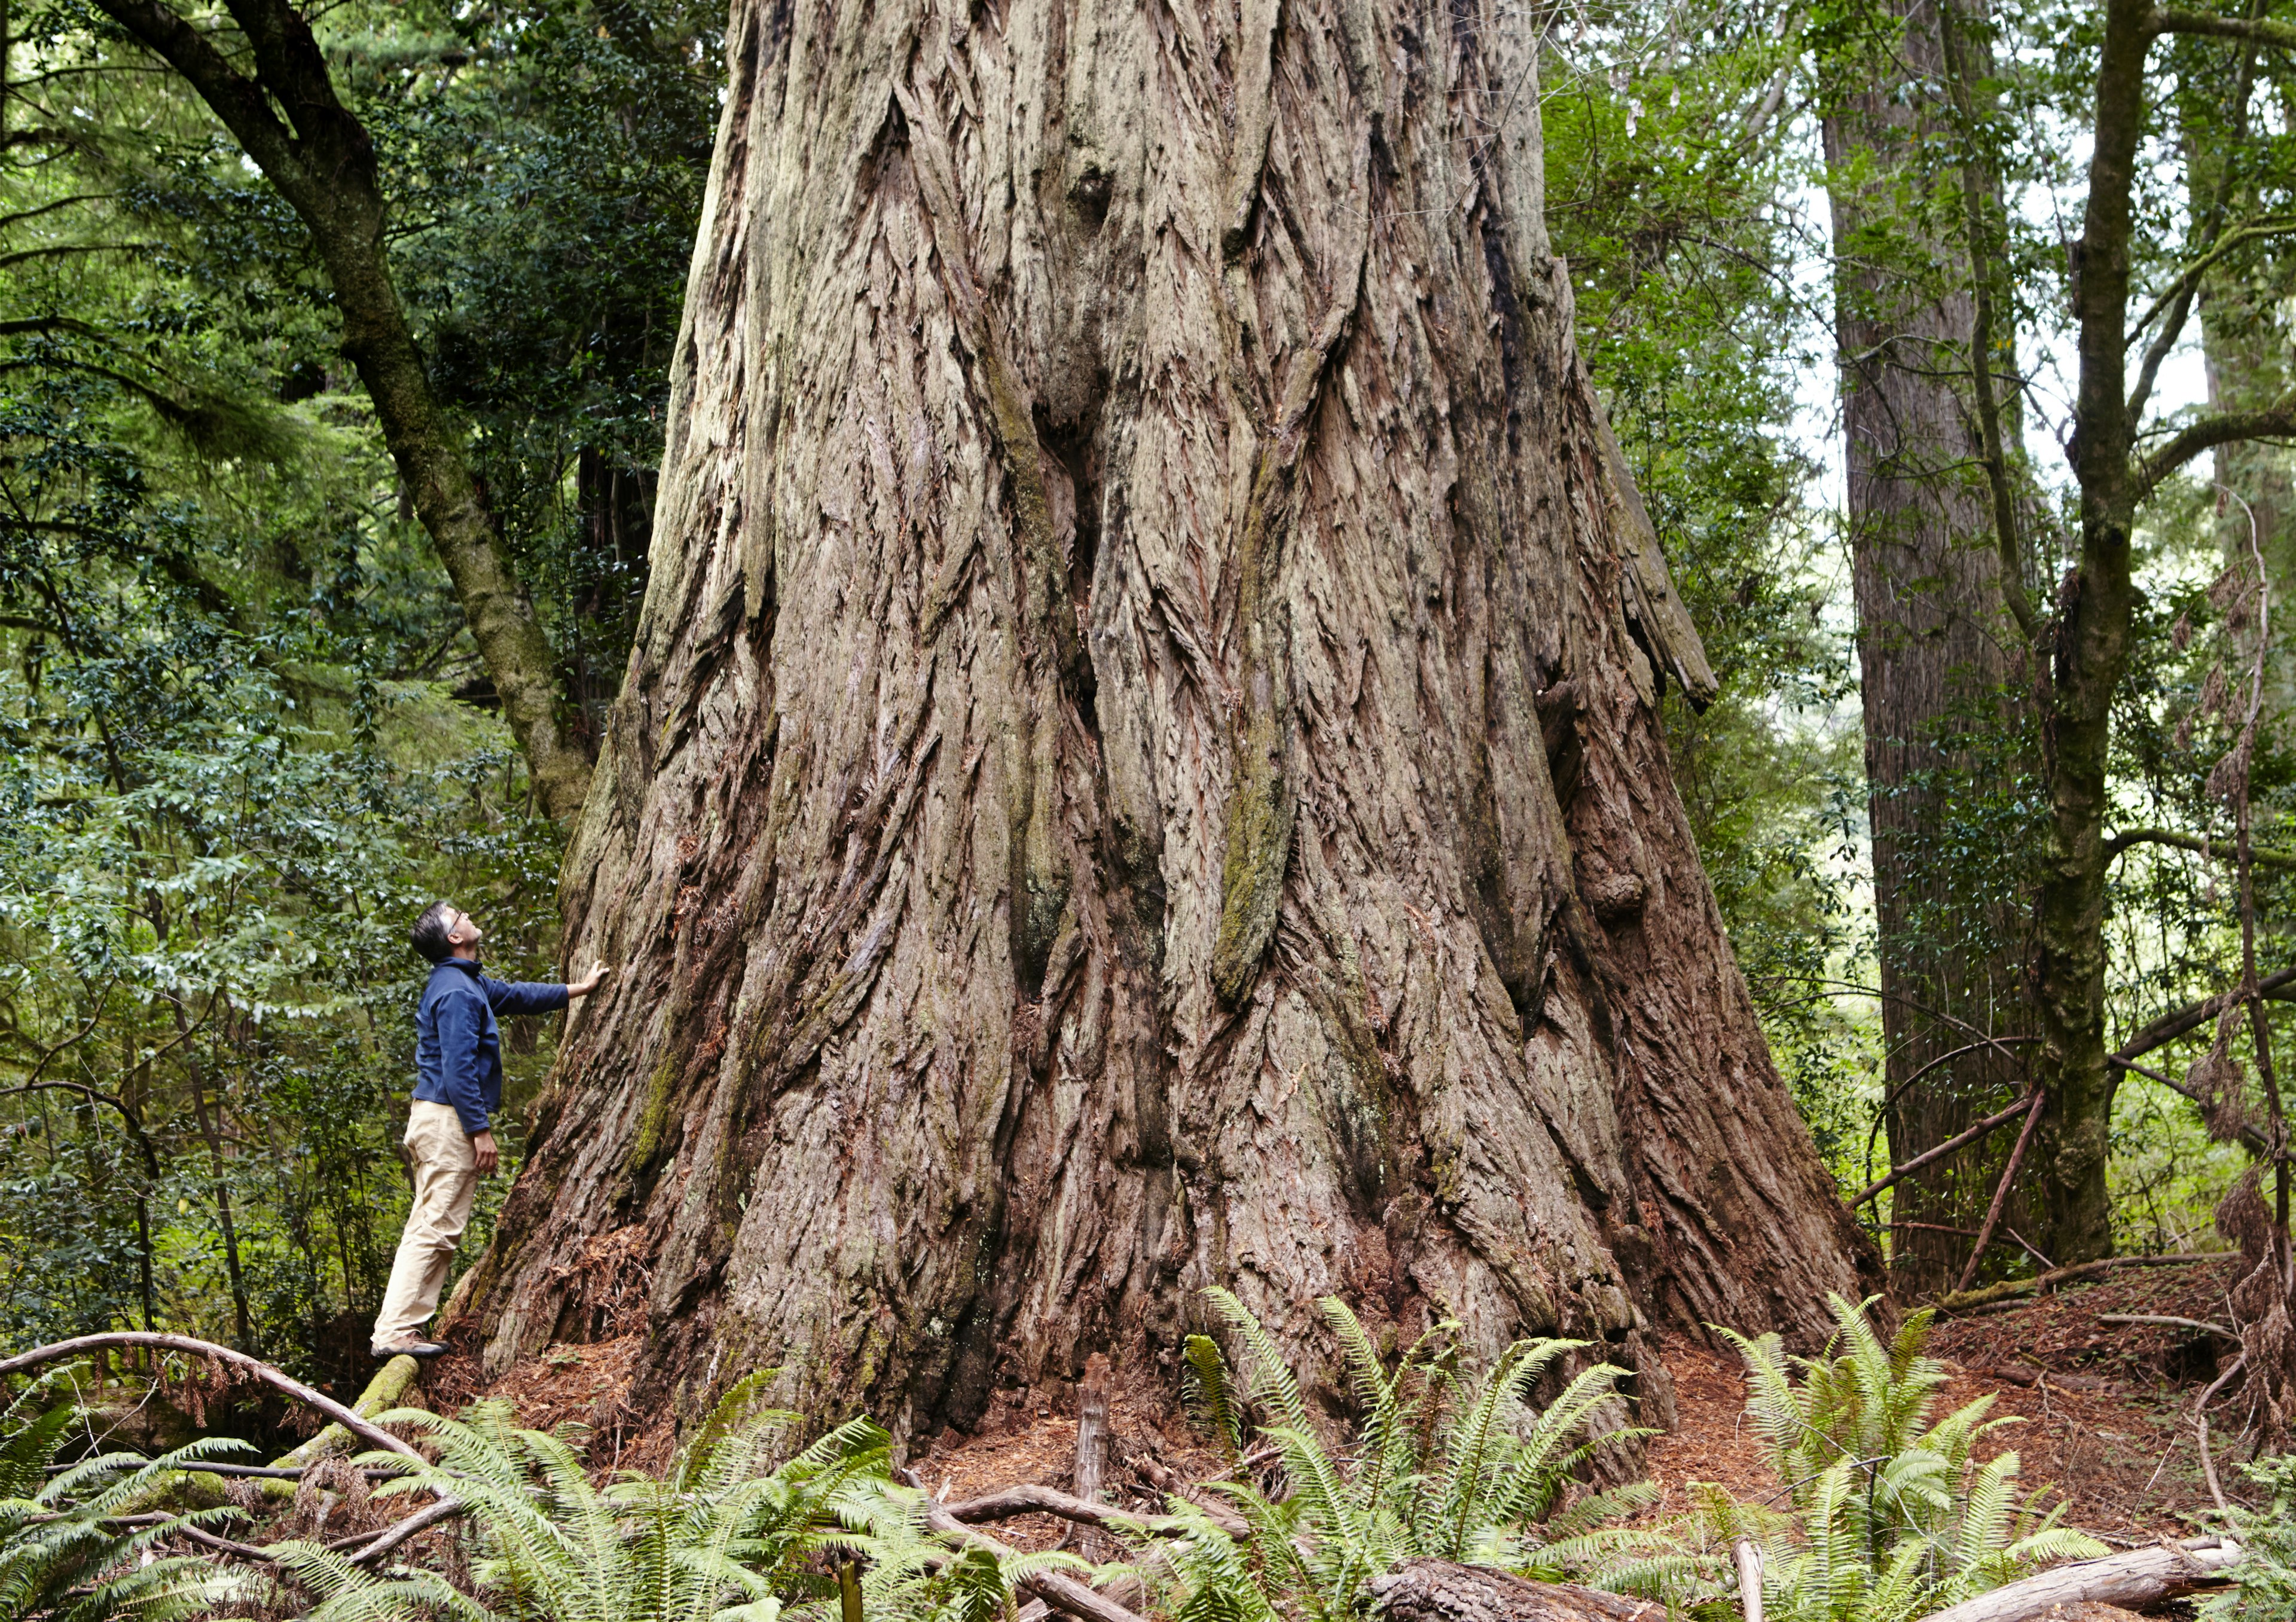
[[450, 1137]]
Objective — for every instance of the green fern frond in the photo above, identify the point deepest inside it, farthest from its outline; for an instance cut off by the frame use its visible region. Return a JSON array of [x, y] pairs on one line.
[[734, 1416], [1267, 1377], [1210, 1395], [63, 1559]]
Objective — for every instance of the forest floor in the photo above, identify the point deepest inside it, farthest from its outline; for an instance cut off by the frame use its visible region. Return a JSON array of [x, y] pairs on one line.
[[2105, 1411]]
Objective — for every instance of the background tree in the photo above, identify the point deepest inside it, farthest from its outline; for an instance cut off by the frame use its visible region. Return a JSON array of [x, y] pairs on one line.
[[279, 101], [1942, 644]]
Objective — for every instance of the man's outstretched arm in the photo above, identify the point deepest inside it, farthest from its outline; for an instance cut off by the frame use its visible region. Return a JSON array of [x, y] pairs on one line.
[[539, 996]]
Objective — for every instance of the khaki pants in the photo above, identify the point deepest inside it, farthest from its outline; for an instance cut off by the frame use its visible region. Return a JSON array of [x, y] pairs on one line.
[[446, 1178]]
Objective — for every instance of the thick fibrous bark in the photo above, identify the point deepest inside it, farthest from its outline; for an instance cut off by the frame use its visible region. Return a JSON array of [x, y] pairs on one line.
[[1138, 769], [1936, 647]]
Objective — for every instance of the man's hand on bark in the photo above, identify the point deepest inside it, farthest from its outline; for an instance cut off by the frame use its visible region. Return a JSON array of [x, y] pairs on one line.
[[588, 983], [483, 1146]]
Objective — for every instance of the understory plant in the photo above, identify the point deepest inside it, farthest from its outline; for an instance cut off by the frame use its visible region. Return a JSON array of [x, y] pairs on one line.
[[723, 1536], [2266, 1576], [1883, 1514], [76, 1543], [1437, 1467]]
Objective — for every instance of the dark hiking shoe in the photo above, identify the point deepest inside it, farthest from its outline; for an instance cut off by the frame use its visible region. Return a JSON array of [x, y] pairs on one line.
[[412, 1349]]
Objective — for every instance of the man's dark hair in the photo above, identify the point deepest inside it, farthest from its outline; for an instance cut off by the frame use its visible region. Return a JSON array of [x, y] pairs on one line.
[[429, 932]]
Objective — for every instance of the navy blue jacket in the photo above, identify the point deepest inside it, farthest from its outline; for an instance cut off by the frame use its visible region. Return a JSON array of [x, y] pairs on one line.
[[458, 1046]]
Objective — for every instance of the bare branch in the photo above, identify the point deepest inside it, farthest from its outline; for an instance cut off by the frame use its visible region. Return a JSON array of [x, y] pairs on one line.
[[2254, 231], [2218, 850], [2274, 422], [2023, 1106], [2259, 30], [62, 249], [1029, 1499], [2192, 1016], [391, 1536], [237, 100], [364, 1429]]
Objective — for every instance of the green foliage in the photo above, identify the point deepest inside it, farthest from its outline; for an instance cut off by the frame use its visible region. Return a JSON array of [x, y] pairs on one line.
[[2267, 1571], [212, 843], [1435, 1468], [721, 1536], [551, 185], [1888, 1515], [65, 1558], [245, 731]]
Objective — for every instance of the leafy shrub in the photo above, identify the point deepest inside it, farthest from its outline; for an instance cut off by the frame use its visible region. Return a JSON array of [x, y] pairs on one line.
[[2267, 1571], [63, 1558], [1435, 1469]]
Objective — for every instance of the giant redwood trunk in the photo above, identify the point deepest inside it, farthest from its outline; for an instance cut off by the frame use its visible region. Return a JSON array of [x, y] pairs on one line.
[[1139, 768]]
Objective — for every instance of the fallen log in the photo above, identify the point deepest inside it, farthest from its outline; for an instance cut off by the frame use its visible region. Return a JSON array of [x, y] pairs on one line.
[[2017, 1374], [1964, 1300], [1438, 1591], [381, 1395], [2133, 1580], [2165, 1321]]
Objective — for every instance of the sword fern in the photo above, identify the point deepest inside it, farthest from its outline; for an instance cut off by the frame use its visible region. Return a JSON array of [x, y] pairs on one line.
[[1436, 1467]]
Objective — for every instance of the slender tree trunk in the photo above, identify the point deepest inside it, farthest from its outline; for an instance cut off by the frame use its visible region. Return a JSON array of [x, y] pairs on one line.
[[243, 1321], [1139, 768], [2096, 610], [323, 162], [1938, 649]]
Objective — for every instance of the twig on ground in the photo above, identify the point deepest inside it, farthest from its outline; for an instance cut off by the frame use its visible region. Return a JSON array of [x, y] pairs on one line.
[[2165, 1321], [1965, 1300], [2201, 1425], [391, 1537], [1164, 1482], [223, 1546]]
